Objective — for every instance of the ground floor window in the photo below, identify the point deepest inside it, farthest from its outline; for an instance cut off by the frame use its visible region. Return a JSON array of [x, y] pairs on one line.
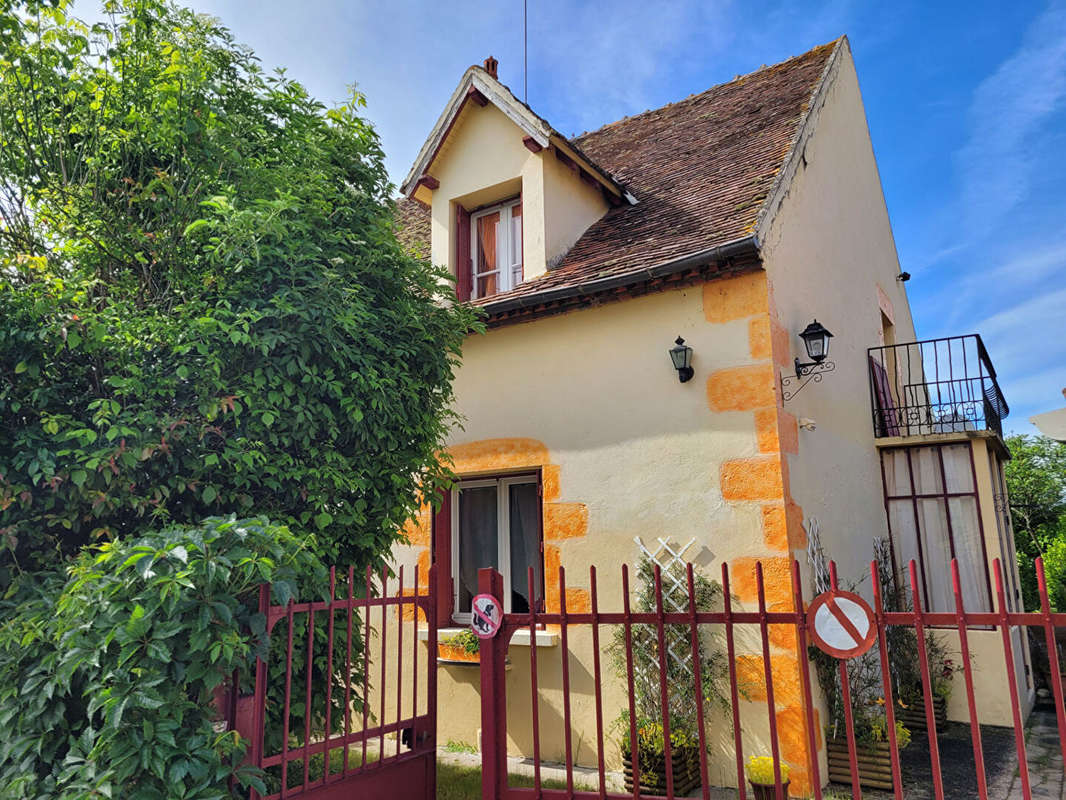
[[933, 517], [496, 522]]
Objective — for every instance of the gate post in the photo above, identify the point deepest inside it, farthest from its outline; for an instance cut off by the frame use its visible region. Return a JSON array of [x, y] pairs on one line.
[[493, 655]]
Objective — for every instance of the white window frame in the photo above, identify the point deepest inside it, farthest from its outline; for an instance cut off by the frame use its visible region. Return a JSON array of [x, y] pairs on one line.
[[504, 271], [503, 535]]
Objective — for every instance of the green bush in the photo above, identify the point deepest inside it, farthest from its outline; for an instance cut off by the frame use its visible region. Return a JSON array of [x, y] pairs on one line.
[[203, 306], [1055, 571], [106, 676]]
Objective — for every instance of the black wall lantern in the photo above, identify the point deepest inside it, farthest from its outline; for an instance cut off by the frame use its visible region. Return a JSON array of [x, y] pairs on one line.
[[816, 340], [681, 355]]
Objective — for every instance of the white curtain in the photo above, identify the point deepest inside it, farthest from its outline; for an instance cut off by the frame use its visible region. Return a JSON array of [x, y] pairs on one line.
[[523, 515], [478, 541], [897, 473], [934, 512]]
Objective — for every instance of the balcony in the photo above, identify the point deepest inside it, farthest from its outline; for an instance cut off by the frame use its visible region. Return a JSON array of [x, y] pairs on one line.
[[935, 386]]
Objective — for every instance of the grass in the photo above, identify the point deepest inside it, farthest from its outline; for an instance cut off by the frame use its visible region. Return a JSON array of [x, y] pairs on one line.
[[464, 783], [459, 747]]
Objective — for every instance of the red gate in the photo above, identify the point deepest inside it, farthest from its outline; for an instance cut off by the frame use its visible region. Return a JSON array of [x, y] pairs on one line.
[[384, 744], [493, 656]]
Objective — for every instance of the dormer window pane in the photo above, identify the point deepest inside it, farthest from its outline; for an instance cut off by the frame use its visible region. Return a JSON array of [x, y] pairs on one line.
[[487, 253], [516, 245], [497, 248]]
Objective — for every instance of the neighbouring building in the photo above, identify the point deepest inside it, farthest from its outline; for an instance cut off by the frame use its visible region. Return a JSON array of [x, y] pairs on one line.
[[733, 219]]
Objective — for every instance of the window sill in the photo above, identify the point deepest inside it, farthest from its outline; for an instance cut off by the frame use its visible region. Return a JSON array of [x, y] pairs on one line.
[[520, 638]]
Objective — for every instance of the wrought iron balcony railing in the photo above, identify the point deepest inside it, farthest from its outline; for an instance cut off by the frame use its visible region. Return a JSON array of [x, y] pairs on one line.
[[935, 386]]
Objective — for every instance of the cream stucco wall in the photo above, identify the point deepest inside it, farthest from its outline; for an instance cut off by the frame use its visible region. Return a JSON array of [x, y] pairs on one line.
[[570, 207], [628, 451], [828, 252], [482, 161]]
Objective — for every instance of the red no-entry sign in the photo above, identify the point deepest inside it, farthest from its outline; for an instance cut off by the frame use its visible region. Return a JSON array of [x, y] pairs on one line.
[[841, 624]]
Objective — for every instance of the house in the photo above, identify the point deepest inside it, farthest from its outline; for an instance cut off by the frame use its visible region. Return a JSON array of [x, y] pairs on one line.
[[732, 220], [1052, 423]]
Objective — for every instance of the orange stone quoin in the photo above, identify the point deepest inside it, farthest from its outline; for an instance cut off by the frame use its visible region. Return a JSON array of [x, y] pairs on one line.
[[742, 388], [735, 298]]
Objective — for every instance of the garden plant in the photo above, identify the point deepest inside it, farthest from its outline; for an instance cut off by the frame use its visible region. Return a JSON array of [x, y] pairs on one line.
[[683, 700], [204, 313]]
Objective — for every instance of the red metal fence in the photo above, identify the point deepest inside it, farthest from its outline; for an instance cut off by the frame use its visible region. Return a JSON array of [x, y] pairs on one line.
[[961, 622], [324, 757]]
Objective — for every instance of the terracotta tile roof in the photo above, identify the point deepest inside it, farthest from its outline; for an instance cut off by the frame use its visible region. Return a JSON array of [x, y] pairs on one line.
[[701, 170], [412, 227]]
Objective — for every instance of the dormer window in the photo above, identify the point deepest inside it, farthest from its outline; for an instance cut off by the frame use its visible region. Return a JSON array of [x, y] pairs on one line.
[[496, 248]]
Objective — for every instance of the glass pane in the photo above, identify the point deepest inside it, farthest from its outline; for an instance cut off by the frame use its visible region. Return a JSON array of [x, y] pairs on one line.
[[926, 464], [478, 545], [973, 575], [958, 473], [905, 542], [516, 243], [488, 227], [936, 554], [524, 519], [486, 285], [897, 473]]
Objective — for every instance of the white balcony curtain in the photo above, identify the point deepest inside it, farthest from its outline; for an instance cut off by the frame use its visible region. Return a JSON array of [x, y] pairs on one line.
[[935, 521]]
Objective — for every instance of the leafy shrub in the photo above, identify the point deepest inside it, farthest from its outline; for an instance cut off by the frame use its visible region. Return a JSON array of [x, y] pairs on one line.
[[203, 305], [106, 677], [1055, 571]]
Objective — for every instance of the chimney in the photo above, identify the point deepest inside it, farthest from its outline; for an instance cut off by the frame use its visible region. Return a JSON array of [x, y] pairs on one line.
[[490, 67]]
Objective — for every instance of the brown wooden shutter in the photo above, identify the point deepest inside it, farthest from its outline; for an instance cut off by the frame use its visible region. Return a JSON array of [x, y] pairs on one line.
[[442, 557], [463, 265]]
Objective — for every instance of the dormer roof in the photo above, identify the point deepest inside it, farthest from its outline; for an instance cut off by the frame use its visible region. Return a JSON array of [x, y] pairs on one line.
[[707, 173], [479, 86]]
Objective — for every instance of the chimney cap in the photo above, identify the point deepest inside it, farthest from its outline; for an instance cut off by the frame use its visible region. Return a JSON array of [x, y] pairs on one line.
[[491, 65]]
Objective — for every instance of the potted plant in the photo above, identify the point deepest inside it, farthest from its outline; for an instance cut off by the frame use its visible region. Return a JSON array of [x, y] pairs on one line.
[[680, 678], [904, 663], [684, 758], [760, 772], [869, 720], [459, 648], [872, 751]]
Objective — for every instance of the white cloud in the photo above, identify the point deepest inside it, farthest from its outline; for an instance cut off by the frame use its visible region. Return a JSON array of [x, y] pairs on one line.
[[1009, 110]]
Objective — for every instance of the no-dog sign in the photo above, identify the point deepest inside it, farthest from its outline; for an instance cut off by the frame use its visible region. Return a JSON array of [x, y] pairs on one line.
[[486, 617], [841, 624]]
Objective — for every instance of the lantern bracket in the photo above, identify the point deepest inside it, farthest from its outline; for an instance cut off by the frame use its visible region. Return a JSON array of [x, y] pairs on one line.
[[805, 373]]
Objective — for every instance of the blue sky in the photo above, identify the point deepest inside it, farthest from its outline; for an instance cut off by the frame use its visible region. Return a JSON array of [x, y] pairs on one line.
[[966, 104]]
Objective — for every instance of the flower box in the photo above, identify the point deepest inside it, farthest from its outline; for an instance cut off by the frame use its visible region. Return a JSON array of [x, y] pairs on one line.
[[456, 654], [874, 760], [686, 771], [914, 715]]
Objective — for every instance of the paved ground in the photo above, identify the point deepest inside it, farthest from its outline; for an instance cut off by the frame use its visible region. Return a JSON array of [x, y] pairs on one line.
[[1046, 776], [1044, 757]]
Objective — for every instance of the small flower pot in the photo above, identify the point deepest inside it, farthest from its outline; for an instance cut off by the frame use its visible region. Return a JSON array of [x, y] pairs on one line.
[[767, 791], [456, 654]]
